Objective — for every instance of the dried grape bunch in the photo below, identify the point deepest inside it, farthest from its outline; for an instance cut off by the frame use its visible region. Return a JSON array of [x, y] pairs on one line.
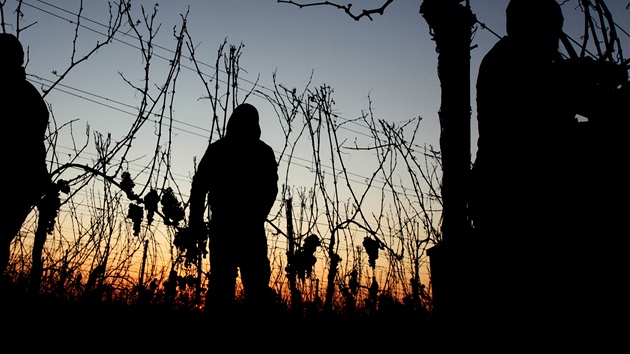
[[371, 247], [191, 243], [135, 213], [171, 208], [151, 201]]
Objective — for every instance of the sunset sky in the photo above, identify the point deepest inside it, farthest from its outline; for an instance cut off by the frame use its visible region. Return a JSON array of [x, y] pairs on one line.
[[391, 58]]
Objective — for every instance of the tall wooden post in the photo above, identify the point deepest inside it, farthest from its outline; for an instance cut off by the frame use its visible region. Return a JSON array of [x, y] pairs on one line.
[[142, 290], [296, 296], [144, 263], [451, 26]]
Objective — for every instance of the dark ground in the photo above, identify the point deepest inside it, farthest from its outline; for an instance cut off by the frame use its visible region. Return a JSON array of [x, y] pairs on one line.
[[50, 324], [42, 323]]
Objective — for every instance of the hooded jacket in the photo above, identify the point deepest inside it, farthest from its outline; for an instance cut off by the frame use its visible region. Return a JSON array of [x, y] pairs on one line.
[[238, 174], [25, 115]]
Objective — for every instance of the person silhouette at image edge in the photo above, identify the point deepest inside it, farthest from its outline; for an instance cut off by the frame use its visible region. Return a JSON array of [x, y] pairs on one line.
[[238, 175], [535, 192], [25, 116]]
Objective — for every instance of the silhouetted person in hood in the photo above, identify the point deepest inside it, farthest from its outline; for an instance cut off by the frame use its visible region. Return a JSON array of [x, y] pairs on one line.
[[532, 215], [25, 117], [238, 175], [519, 175]]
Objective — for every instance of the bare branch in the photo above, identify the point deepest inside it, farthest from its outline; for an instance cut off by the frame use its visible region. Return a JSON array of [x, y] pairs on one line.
[[123, 8], [3, 25], [346, 8]]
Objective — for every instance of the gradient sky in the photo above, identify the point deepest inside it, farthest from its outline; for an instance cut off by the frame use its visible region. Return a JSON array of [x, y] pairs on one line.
[[391, 58]]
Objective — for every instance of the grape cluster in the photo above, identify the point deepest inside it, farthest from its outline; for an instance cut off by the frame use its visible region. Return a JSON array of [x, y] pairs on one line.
[[371, 247]]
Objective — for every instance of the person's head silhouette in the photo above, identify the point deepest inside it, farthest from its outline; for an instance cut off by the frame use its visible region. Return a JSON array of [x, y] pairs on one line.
[[12, 51], [243, 123], [535, 24]]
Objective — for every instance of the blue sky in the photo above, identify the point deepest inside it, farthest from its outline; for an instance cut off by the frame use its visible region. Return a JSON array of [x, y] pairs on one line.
[[392, 59]]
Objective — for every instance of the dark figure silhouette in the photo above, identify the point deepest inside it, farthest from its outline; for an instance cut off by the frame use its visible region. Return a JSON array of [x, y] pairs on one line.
[[238, 174], [530, 206], [25, 116]]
